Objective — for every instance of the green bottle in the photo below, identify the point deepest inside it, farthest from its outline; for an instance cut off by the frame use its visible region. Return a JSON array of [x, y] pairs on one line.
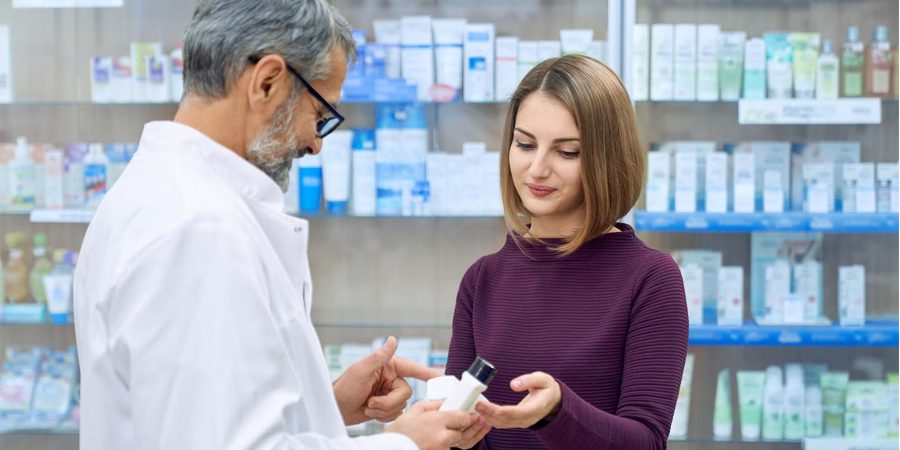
[[852, 64], [41, 267]]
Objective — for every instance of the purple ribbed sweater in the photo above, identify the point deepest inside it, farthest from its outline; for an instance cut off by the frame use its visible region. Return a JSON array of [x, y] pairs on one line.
[[608, 322]]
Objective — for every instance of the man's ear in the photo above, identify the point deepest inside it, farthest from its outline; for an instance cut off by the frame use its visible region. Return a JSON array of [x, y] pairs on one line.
[[265, 85]]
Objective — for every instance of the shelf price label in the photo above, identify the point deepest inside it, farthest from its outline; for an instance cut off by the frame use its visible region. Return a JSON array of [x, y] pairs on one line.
[[67, 3], [844, 111]]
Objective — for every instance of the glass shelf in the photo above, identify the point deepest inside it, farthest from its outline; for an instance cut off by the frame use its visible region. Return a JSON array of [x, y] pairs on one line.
[[873, 334], [85, 216], [39, 433], [782, 222], [727, 442], [876, 333], [793, 111], [382, 326], [86, 103]]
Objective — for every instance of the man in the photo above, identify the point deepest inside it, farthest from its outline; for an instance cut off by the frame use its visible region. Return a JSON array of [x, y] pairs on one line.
[[192, 294]]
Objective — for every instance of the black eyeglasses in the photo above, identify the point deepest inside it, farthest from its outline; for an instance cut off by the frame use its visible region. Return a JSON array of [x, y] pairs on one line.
[[325, 125]]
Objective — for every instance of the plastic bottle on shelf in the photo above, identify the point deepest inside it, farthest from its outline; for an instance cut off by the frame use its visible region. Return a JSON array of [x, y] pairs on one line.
[[21, 177], [176, 84], [852, 65], [827, 76], [58, 285], [54, 179], [74, 177], [15, 276], [118, 159], [6, 153], [96, 169], [878, 65], [40, 267]]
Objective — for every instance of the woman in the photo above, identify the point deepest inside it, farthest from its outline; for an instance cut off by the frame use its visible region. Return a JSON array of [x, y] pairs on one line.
[[574, 311]]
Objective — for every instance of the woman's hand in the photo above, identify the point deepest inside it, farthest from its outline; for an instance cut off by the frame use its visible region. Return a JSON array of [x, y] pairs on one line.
[[543, 399]]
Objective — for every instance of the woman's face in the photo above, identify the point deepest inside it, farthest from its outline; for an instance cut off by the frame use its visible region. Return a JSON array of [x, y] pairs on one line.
[[545, 159]]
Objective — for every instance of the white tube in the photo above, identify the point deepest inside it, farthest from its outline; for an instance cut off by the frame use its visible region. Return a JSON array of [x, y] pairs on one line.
[[59, 296], [387, 33], [336, 171], [448, 53]]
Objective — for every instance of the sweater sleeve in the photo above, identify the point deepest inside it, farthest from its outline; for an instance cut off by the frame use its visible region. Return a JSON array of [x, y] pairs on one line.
[[462, 341], [654, 355]]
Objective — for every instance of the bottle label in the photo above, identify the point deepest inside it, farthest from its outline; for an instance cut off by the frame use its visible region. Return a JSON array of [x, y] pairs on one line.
[[852, 84], [94, 183], [881, 80]]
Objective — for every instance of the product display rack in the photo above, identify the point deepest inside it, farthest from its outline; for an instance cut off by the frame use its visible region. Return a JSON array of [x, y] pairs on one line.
[[358, 299], [859, 238], [885, 223]]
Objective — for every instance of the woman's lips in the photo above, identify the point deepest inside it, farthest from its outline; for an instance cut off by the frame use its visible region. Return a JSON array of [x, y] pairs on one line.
[[539, 191]]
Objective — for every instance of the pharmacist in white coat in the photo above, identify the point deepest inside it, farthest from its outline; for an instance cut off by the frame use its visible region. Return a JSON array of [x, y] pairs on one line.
[[193, 293]]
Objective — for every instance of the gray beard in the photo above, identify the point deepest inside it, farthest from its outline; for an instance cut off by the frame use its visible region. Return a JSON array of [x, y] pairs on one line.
[[275, 148]]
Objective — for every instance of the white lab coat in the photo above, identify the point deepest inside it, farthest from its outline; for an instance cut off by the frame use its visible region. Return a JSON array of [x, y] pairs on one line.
[[192, 300]]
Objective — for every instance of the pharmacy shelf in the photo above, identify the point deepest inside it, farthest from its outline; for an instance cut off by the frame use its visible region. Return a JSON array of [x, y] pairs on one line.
[[841, 111], [65, 432], [81, 103], [61, 215], [786, 103], [836, 443], [85, 216], [350, 101], [5, 322], [882, 333], [777, 222], [873, 334], [382, 326], [729, 442], [841, 443]]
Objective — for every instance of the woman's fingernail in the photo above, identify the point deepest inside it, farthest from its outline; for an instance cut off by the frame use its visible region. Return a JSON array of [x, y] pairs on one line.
[[368, 413], [517, 384]]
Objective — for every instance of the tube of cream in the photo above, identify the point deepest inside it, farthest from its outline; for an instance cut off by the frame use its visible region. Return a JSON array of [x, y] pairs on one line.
[[722, 422], [750, 396], [683, 405], [834, 394], [310, 184], [805, 47], [448, 53], [794, 399], [336, 171], [731, 64], [59, 297], [387, 33], [773, 405], [779, 72]]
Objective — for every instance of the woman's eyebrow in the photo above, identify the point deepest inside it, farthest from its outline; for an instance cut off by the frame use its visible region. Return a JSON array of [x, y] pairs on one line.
[[555, 141]]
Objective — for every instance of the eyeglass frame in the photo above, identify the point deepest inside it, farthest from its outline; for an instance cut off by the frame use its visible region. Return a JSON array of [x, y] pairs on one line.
[[320, 124]]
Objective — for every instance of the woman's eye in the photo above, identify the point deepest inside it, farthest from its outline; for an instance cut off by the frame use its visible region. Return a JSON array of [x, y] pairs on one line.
[[569, 154], [524, 146]]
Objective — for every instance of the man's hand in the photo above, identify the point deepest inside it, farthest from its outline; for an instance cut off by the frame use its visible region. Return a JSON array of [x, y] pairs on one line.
[[431, 429], [543, 399], [374, 387]]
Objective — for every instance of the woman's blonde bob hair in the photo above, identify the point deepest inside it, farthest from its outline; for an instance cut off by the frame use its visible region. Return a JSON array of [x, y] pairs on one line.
[[612, 158]]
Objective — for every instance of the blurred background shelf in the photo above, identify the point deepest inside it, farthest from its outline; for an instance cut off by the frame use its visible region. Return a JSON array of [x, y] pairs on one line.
[[776, 222]]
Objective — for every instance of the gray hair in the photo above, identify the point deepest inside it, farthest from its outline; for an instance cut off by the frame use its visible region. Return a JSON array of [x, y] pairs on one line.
[[224, 34]]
